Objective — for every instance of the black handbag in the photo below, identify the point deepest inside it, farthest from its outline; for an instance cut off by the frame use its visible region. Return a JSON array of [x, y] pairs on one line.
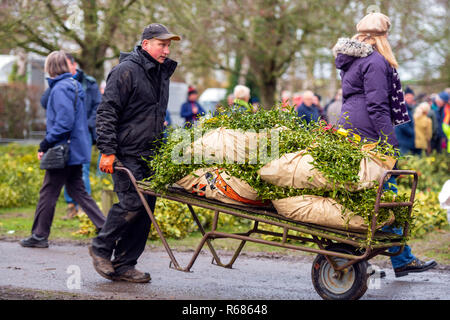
[[58, 156]]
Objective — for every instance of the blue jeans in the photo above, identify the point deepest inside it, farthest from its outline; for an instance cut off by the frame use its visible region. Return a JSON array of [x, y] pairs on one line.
[[406, 256], [87, 184]]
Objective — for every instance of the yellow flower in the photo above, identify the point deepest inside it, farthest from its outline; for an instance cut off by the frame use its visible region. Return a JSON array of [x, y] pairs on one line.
[[29, 169], [356, 137], [342, 132]]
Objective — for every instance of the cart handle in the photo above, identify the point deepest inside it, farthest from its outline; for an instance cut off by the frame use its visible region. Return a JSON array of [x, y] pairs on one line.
[[410, 203]]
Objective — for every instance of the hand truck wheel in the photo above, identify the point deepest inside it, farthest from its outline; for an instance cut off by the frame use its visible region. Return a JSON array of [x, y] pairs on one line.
[[349, 284]]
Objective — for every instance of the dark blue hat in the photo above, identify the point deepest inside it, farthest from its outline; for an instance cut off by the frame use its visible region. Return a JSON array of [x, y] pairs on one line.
[[443, 96], [409, 90]]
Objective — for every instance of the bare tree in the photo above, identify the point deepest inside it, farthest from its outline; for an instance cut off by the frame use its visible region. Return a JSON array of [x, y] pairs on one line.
[[267, 33], [87, 28]]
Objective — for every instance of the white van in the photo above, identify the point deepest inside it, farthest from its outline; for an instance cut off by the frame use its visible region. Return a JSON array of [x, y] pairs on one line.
[[210, 98]]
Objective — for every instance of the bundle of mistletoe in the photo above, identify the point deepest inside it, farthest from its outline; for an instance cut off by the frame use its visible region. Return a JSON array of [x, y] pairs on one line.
[[336, 156]]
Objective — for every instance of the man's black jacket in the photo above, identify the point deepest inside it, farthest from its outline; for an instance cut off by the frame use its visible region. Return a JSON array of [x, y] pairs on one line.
[[131, 115]]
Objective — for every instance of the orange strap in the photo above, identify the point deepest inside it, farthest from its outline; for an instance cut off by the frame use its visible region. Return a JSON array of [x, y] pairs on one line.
[[447, 114], [230, 193]]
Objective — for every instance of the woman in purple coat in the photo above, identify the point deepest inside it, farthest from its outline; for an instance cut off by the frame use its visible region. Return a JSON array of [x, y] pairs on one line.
[[373, 101]]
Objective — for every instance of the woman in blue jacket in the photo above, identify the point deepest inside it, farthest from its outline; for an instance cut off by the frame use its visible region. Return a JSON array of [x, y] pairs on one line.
[[66, 123]]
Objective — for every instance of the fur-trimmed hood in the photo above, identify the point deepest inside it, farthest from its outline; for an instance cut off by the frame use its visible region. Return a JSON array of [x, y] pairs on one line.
[[348, 50], [353, 48]]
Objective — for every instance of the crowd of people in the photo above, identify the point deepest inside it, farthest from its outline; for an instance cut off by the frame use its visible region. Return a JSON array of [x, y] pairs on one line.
[[131, 115], [427, 130]]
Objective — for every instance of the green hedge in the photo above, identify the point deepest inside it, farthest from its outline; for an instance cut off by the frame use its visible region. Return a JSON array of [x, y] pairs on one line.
[[433, 171]]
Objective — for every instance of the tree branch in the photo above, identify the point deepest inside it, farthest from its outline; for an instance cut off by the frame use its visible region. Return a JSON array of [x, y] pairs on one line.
[[70, 33], [38, 40]]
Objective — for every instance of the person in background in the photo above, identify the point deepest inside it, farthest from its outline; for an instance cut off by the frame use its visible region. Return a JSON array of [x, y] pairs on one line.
[[334, 109], [336, 95], [65, 120], [191, 109], [307, 110], [255, 104], [102, 87], [423, 128], [439, 139], [421, 97], [405, 132], [297, 100], [370, 87], [317, 102], [167, 120], [92, 100], [167, 124], [98, 172], [286, 97], [446, 123], [241, 98], [230, 99]]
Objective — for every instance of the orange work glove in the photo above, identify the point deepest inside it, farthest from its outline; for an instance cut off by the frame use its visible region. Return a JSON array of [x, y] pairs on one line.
[[106, 163]]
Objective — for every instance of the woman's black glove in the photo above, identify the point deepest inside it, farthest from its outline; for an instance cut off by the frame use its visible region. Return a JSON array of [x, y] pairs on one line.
[[44, 146]]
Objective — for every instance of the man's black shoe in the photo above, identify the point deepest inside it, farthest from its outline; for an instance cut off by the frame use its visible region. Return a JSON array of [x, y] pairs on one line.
[[34, 242], [414, 266]]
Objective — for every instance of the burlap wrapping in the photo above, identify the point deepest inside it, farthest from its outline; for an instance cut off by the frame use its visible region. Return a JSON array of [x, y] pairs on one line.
[[223, 145], [297, 170], [294, 170], [322, 211], [215, 184]]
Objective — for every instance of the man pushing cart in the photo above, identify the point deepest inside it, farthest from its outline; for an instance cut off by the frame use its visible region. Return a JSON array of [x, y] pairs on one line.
[[130, 119]]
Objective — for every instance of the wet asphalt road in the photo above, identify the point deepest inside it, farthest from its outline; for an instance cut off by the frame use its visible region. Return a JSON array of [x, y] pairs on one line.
[[55, 270]]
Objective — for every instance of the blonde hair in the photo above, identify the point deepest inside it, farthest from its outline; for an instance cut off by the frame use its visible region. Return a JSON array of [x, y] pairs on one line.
[[56, 63], [381, 44], [422, 109]]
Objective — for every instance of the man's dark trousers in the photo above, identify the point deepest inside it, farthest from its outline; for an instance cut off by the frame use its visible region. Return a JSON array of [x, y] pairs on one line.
[[127, 225], [54, 180]]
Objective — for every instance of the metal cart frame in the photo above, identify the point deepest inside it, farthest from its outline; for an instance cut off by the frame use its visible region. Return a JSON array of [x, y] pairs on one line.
[[365, 247]]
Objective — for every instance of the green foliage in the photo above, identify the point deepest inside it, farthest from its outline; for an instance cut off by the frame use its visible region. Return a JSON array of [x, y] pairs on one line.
[[428, 214], [336, 156], [21, 179], [20, 176], [433, 171], [14, 76], [175, 219], [86, 228]]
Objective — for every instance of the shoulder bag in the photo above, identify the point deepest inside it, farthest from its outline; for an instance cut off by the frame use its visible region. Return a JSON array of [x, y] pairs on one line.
[[58, 156]]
